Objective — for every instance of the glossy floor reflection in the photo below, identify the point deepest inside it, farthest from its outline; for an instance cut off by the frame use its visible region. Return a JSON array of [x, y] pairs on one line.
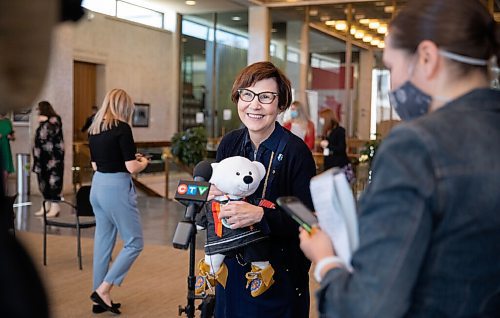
[[159, 218]]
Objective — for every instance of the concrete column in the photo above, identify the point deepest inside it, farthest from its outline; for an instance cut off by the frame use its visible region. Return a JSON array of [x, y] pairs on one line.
[[348, 63], [304, 59], [259, 34], [366, 64]]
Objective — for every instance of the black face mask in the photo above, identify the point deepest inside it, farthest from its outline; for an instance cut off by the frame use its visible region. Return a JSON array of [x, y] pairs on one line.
[[409, 101]]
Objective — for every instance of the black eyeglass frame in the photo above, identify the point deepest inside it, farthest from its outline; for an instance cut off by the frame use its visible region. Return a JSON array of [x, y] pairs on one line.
[[256, 94]]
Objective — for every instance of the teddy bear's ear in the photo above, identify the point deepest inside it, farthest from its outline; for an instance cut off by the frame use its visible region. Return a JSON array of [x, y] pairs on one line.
[[260, 168], [214, 168]]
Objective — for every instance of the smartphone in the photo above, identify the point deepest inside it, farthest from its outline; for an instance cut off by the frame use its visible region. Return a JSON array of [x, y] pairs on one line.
[[299, 212]]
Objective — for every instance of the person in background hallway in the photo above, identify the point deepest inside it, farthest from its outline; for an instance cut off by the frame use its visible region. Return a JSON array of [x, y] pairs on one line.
[[113, 197], [300, 124], [48, 157], [6, 135], [89, 120], [261, 91], [429, 222], [334, 142]]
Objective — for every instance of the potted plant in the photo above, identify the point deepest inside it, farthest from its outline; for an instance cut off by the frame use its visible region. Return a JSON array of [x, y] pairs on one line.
[[366, 156], [189, 147]]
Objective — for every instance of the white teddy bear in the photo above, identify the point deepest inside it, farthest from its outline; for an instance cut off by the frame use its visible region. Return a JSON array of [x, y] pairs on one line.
[[237, 177]]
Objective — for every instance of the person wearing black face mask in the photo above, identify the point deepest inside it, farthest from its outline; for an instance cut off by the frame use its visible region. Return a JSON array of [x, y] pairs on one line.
[[428, 222]]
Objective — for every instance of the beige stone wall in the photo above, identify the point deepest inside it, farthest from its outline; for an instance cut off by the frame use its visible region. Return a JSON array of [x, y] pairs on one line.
[[139, 59]]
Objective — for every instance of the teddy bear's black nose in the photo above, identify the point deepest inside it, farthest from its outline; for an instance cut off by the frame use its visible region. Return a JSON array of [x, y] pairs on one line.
[[247, 179]]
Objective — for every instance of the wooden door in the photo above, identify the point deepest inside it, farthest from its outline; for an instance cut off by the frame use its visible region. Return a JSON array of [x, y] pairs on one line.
[[84, 96]]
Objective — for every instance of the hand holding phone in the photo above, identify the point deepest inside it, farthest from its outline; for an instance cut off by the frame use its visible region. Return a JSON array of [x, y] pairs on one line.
[[299, 212]]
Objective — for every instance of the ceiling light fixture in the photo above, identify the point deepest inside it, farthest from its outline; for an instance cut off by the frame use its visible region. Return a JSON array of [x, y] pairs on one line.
[[374, 24], [353, 30], [341, 25], [367, 38], [375, 42], [381, 45], [190, 2], [330, 22], [389, 9], [359, 35], [382, 29], [364, 21], [236, 18], [313, 12]]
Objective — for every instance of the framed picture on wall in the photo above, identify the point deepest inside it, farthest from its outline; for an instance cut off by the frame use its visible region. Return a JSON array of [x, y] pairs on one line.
[[21, 118], [140, 118]]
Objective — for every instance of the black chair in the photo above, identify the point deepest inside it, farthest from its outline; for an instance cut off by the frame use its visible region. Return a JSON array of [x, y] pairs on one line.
[[83, 218], [11, 215]]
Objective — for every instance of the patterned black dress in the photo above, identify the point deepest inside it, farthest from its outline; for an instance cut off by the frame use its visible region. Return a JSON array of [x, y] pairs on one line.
[[48, 157]]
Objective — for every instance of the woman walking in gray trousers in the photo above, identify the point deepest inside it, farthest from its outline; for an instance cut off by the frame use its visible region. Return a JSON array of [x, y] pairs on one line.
[[113, 197]]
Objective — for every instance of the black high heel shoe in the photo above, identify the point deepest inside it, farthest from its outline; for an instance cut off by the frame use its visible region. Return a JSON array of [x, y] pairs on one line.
[[97, 309], [97, 299]]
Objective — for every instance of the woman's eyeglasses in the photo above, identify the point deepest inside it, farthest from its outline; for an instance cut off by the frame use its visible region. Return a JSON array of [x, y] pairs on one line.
[[247, 95]]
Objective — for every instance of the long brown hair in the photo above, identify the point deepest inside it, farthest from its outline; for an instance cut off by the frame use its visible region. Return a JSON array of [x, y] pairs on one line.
[[331, 121], [46, 109]]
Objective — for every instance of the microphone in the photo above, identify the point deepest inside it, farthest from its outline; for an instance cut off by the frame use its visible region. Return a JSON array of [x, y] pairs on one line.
[[193, 194], [202, 171]]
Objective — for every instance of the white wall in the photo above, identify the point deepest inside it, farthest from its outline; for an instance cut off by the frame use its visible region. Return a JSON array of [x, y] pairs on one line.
[[139, 59]]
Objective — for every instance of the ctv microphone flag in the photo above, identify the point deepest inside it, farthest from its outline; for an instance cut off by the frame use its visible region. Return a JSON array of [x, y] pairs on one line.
[[192, 191]]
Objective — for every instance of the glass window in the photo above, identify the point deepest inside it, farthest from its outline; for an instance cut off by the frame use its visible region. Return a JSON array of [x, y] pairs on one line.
[[102, 6], [139, 14]]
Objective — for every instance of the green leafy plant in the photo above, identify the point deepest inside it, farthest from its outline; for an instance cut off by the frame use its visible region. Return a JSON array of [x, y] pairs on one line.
[[190, 146], [368, 152]]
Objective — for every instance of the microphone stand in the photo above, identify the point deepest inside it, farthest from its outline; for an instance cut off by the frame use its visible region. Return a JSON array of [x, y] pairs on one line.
[[190, 309]]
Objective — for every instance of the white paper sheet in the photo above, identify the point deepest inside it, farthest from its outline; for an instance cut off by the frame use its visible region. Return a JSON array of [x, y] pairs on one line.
[[336, 210]]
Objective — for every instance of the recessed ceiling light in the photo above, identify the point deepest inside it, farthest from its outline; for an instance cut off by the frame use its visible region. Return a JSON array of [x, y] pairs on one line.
[[389, 9], [382, 29], [274, 30], [313, 12], [236, 18], [190, 2], [374, 24]]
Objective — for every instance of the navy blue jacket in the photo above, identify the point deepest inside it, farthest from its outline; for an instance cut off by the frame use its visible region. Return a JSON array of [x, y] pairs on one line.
[[430, 220], [289, 296]]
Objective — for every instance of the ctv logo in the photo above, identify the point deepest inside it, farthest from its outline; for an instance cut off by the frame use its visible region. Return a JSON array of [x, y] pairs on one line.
[[191, 189]]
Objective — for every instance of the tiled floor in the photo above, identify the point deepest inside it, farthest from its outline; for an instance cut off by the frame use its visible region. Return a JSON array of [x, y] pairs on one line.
[[159, 218]]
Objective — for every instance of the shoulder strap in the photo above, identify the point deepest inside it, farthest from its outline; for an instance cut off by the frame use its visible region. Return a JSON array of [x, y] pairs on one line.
[[274, 162]]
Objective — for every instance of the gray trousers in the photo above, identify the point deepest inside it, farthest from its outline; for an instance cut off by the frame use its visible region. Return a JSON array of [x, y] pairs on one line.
[[114, 201]]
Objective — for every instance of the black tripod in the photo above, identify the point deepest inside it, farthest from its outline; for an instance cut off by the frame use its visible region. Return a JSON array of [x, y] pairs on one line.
[[184, 237], [193, 194]]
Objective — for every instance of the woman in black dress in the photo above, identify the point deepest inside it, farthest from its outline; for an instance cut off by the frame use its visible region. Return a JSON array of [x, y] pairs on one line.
[[334, 142], [48, 157]]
